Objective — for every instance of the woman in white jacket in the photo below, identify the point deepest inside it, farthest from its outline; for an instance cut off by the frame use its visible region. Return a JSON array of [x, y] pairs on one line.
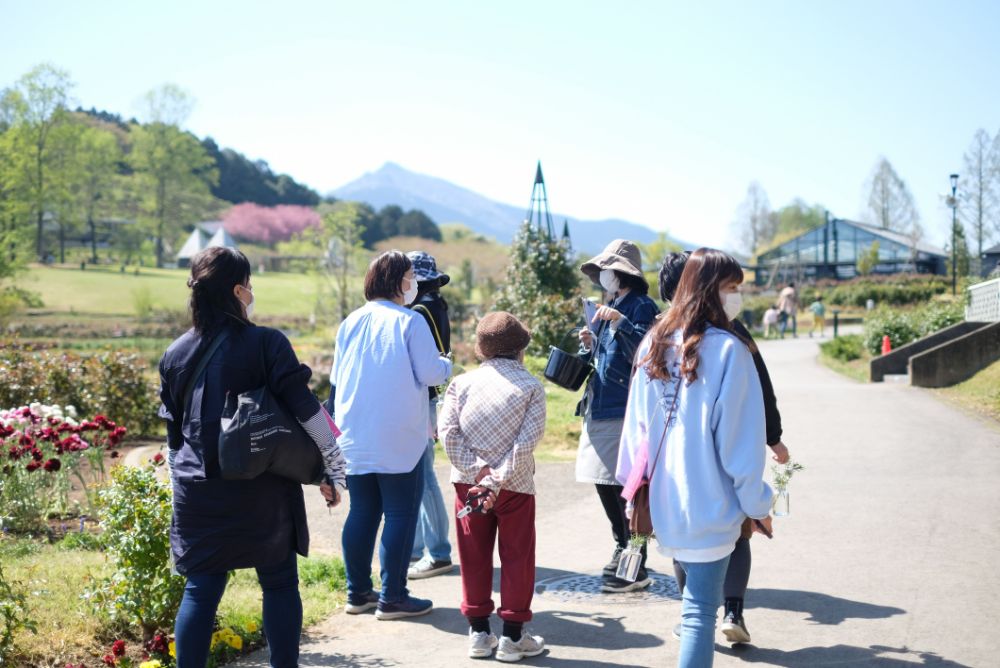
[[695, 422]]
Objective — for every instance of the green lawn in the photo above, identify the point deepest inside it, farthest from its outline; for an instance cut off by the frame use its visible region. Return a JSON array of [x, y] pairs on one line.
[[55, 578], [106, 291], [979, 394]]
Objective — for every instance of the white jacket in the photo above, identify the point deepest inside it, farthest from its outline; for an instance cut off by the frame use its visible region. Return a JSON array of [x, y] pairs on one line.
[[709, 476]]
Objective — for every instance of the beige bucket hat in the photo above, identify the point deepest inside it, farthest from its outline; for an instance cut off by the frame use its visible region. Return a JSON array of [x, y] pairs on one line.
[[621, 255]]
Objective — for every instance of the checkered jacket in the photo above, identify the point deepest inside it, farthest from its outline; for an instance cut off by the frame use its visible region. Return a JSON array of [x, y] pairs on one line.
[[494, 416]]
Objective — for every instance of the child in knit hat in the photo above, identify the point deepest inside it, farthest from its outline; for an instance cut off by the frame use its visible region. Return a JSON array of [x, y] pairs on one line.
[[490, 423]]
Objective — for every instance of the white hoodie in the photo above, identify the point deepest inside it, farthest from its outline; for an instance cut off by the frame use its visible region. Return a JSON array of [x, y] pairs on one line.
[[709, 476]]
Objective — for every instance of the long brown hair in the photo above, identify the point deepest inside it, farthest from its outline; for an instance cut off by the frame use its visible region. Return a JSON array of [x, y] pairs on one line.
[[696, 306]]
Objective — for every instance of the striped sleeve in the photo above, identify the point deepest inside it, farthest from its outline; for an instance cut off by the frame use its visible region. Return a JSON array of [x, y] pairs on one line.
[[333, 459]]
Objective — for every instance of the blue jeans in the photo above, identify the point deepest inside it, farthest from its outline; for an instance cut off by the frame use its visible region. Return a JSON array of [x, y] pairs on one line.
[[702, 598], [397, 496], [282, 614], [432, 527]]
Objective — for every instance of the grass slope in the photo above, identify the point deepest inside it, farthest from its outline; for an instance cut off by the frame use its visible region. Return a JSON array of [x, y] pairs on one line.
[[979, 394]]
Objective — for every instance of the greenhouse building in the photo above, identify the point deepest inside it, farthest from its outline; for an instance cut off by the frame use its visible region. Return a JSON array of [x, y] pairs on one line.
[[832, 251]]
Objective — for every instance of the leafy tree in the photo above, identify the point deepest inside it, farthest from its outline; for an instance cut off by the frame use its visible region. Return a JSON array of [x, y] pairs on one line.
[[173, 166], [245, 180], [980, 192], [654, 252], [797, 217], [95, 169], [890, 202], [382, 225], [35, 108], [416, 223], [543, 287], [868, 260], [341, 238]]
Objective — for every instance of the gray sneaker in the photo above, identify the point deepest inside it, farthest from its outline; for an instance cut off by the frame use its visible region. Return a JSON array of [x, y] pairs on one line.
[[428, 568], [529, 645], [482, 644]]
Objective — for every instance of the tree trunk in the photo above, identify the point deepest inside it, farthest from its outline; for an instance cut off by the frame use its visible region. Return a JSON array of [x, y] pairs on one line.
[[38, 239], [62, 244], [93, 239]]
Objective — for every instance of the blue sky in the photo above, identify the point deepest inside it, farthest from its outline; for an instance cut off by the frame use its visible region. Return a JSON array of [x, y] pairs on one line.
[[660, 113]]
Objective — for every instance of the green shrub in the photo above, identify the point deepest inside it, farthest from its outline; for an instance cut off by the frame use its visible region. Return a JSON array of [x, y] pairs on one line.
[[542, 289], [108, 383], [14, 617], [902, 327], [895, 324], [844, 348], [136, 512], [895, 290], [142, 302]]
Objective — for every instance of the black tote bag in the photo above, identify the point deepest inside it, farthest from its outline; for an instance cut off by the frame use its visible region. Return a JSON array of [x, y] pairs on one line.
[[257, 434]]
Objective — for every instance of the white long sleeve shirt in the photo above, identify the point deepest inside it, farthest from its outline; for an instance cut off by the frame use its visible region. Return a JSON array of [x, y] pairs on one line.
[[385, 360], [710, 472]]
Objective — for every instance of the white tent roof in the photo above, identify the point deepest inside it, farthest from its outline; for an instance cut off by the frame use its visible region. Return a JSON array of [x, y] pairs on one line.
[[204, 235], [221, 238]]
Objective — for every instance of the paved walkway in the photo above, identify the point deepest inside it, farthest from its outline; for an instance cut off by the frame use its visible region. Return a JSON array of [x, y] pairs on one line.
[[889, 557]]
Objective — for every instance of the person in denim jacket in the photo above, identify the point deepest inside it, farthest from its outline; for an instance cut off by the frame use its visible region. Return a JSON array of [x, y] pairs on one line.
[[613, 339]]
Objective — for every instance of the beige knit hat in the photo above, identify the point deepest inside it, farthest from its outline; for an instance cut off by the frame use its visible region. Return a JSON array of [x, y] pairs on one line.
[[498, 334], [621, 255]]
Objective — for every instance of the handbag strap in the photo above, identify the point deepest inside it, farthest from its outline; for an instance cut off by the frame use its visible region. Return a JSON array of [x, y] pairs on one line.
[[666, 426], [434, 327], [202, 365]]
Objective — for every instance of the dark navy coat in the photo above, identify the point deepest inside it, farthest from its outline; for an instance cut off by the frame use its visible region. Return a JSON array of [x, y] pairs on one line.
[[220, 525], [614, 354]]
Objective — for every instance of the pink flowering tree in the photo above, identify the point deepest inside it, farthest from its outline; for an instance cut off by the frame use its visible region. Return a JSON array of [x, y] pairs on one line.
[[269, 224]]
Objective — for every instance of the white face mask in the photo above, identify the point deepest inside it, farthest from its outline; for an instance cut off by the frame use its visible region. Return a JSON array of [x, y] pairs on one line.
[[732, 304], [249, 307], [409, 294], [609, 281]]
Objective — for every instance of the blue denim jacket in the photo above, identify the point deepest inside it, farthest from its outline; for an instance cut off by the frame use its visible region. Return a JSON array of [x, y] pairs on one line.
[[614, 354]]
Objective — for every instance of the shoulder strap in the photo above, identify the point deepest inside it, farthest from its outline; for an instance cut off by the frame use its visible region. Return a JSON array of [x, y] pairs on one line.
[[202, 364], [666, 426], [434, 327]]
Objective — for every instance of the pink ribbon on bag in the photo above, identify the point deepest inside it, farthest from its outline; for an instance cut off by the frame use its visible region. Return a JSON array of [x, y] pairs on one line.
[[638, 473], [329, 421]]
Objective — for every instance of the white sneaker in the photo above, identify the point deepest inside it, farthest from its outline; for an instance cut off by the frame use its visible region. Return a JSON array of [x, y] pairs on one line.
[[529, 645], [481, 644]]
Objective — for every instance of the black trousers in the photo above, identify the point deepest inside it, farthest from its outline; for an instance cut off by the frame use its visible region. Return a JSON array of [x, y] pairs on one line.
[[737, 575], [614, 508]]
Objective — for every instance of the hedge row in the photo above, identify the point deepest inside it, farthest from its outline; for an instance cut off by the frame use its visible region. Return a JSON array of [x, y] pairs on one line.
[[902, 327], [109, 383]]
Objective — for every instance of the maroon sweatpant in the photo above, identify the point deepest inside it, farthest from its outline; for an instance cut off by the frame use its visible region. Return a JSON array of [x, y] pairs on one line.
[[513, 519]]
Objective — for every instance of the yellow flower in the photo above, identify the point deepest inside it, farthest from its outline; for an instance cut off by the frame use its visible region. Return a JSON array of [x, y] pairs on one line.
[[216, 638], [251, 627], [235, 642], [172, 649], [151, 664]]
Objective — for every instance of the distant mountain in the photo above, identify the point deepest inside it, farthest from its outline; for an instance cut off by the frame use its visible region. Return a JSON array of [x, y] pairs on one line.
[[447, 203]]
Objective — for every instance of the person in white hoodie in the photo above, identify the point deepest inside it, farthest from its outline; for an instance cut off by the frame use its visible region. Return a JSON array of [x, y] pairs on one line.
[[694, 422]]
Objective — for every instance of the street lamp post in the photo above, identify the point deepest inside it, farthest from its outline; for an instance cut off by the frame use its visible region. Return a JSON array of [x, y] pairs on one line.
[[954, 235]]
